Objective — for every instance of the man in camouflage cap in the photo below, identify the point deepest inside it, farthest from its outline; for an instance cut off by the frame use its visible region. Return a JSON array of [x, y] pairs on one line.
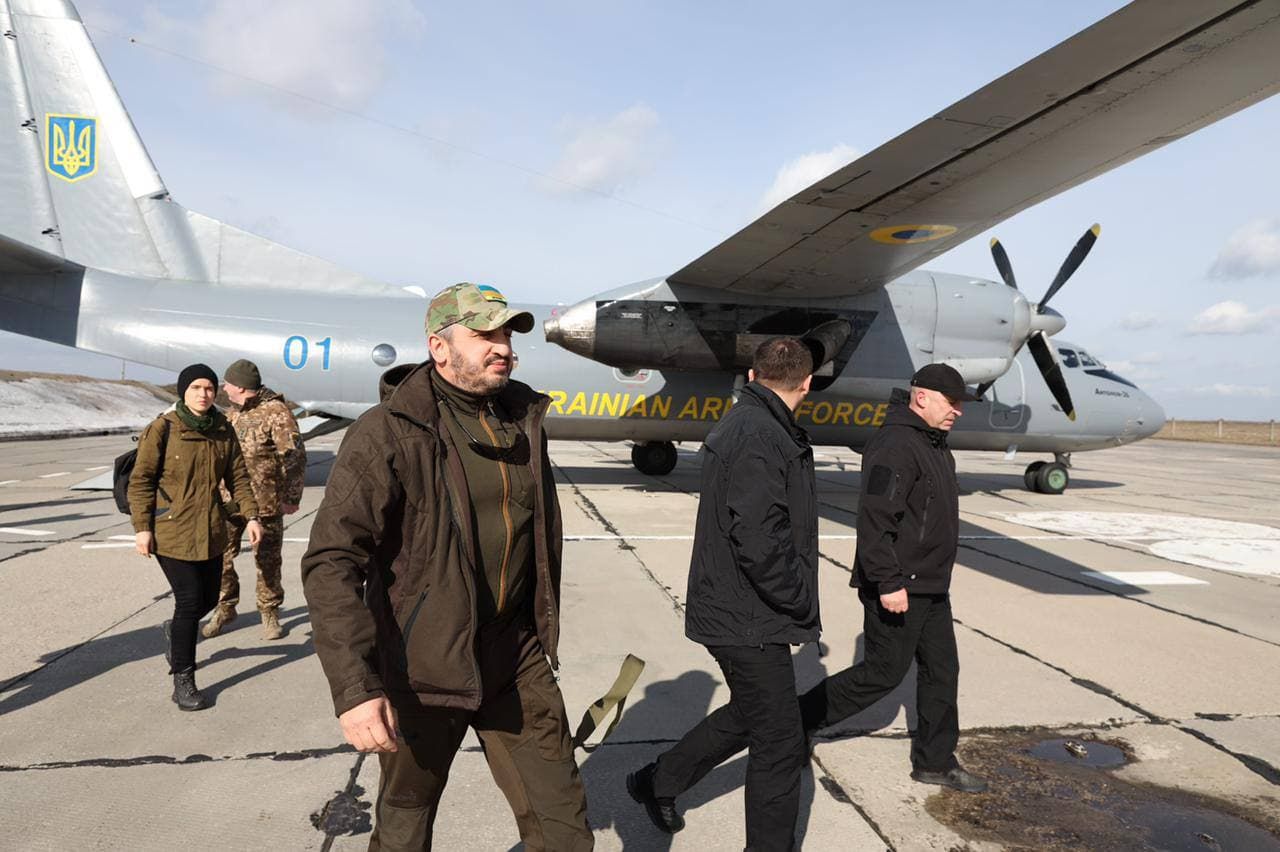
[[433, 583], [273, 452]]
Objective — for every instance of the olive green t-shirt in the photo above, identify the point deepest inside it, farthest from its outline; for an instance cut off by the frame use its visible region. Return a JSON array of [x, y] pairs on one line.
[[502, 495]]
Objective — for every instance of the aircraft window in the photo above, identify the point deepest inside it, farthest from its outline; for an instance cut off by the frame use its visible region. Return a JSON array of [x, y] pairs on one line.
[[1068, 358], [1087, 360], [384, 355]]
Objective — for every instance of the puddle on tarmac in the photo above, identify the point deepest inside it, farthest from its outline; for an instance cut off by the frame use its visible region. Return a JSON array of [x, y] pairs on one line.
[[1083, 752], [1046, 795]]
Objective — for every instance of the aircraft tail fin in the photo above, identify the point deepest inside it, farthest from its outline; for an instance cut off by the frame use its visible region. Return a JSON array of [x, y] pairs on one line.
[[91, 193], [68, 148]]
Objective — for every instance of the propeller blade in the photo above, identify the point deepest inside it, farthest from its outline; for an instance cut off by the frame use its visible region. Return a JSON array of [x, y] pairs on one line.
[[1047, 361], [1002, 263], [1069, 266]]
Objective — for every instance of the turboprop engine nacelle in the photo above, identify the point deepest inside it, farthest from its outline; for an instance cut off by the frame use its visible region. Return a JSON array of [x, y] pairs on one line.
[[650, 326]]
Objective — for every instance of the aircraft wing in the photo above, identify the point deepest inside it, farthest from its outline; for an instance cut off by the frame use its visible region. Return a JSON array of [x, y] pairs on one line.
[[1150, 73]]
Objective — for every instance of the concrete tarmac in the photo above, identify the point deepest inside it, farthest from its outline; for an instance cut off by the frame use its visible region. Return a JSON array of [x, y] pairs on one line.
[[1140, 605]]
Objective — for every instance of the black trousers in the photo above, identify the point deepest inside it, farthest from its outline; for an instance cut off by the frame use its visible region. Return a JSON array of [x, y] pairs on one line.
[[195, 592], [763, 715], [924, 633]]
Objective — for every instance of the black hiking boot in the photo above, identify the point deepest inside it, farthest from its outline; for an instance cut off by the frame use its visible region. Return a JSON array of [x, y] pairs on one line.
[[185, 694]]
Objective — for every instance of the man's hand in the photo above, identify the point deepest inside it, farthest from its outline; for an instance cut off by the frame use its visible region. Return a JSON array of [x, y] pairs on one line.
[[288, 508], [145, 543], [895, 601], [371, 726], [254, 529]]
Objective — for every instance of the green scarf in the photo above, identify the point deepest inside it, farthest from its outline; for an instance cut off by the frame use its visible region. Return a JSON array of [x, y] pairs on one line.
[[200, 424]]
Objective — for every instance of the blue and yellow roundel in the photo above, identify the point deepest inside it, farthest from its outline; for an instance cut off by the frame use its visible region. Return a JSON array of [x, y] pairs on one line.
[[901, 235], [491, 294], [71, 146]]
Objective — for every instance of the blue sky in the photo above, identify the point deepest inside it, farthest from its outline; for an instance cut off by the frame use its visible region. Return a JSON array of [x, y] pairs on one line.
[[556, 150]]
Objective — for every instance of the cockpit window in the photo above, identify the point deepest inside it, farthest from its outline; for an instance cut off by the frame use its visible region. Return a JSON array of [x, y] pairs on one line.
[[1088, 360], [1069, 357]]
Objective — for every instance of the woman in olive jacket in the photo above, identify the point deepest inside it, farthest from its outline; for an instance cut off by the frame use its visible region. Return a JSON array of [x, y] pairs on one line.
[[182, 457]]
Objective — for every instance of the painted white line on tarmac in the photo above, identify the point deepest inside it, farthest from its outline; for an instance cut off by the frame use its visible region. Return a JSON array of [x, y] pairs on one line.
[[1145, 578], [120, 538], [107, 545], [10, 482], [854, 537], [53, 475], [24, 531], [672, 537], [98, 467]]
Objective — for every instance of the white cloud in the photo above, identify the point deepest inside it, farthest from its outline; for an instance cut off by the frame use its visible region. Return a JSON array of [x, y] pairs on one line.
[[1233, 318], [1252, 251], [804, 171], [334, 51], [1135, 370], [1137, 321], [605, 155]]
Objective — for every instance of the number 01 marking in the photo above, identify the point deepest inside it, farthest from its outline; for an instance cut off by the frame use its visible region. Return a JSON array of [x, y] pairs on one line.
[[296, 352]]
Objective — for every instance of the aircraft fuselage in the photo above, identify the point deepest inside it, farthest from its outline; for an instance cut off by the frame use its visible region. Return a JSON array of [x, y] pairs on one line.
[[331, 349]]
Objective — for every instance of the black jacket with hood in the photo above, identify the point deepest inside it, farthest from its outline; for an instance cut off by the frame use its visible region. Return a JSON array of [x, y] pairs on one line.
[[754, 574], [909, 511]]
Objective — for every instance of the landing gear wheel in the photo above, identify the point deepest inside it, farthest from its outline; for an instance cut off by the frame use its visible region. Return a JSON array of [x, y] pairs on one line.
[[655, 458], [1029, 475], [1052, 478]]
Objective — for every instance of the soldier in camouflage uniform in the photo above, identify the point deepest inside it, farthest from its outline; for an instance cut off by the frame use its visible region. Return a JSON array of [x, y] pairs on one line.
[[273, 452]]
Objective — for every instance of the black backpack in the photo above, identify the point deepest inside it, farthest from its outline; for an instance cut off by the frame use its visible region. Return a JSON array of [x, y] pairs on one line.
[[123, 469]]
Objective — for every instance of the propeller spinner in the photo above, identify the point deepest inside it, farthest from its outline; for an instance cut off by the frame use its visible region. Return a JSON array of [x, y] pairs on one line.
[[1044, 320]]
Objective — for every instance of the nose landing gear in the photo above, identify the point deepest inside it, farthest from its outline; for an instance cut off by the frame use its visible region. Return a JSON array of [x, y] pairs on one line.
[[654, 458], [1048, 477]]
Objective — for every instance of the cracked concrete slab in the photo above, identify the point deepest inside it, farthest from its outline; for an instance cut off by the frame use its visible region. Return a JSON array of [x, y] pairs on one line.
[[1037, 649]]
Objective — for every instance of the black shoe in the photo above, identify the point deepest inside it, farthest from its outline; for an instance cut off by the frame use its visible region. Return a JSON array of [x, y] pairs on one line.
[[167, 627], [661, 811], [185, 694], [957, 779]]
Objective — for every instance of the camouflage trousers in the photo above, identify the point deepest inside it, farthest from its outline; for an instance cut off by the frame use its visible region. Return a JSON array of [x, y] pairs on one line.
[[267, 558]]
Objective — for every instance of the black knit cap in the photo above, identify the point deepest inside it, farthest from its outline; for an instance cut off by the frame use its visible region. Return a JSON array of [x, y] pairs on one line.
[[190, 374]]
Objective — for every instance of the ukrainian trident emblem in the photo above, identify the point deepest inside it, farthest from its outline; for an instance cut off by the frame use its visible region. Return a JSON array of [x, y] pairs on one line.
[[71, 146]]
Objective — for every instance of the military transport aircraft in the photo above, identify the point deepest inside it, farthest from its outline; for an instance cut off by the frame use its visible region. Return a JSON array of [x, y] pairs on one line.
[[94, 253]]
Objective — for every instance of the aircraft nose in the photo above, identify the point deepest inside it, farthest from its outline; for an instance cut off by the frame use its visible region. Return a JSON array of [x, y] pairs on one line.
[[1148, 419]]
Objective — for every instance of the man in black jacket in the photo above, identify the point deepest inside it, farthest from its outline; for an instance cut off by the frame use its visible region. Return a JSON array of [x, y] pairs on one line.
[[908, 530], [753, 593]]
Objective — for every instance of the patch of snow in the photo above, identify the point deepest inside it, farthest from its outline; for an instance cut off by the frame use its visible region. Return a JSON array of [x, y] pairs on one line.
[[1205, 542], [38, 405]]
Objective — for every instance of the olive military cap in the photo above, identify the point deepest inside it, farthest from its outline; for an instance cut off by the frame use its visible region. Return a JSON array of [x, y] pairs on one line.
[[478, 307]]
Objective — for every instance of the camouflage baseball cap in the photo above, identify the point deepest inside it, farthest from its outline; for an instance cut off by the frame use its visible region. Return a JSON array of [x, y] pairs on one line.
[[476, 306]]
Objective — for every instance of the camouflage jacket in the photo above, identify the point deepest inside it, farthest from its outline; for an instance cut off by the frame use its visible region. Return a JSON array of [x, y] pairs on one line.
[[273, 451]]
